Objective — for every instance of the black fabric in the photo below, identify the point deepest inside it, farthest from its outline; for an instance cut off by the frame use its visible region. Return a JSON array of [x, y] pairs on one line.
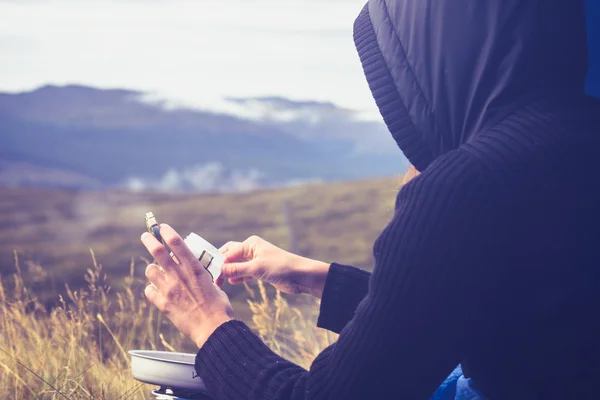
[[345, 287], [490, 261]]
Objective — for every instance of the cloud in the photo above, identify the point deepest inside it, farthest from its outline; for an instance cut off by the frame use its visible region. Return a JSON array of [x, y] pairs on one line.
[[316, 120], [305, 119], [210, 178], [201, 178], [276, 108]]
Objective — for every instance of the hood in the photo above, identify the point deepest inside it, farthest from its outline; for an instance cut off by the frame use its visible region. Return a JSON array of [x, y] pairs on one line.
[[443, 70]]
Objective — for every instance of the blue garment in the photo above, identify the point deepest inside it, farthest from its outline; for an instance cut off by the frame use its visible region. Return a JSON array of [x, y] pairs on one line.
[[593, 31], [457, 387]]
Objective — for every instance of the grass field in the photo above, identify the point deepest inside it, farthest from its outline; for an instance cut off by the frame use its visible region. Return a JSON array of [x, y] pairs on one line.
[[58, 342], [54, 230]]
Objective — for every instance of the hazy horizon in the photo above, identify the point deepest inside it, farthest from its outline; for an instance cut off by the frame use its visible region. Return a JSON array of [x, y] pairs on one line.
[[195, 53]]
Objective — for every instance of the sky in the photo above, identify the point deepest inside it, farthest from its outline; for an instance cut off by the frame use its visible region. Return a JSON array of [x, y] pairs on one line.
[[194, 53]]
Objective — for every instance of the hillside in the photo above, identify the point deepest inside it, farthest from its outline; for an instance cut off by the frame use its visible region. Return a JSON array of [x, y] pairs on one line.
[[79, 137], [56, 228]]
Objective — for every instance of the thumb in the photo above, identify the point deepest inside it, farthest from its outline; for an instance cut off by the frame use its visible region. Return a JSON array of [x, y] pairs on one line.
[[238, 270]]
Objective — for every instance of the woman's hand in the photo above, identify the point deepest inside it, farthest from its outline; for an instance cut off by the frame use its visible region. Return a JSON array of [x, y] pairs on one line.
[[255, 258], [184, 290]]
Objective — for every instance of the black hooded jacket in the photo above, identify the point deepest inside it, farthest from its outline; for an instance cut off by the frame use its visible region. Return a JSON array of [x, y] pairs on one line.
[[492, 258]]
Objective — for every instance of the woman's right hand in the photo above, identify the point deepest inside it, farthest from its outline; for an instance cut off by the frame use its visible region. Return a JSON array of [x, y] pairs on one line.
[[255, 258]]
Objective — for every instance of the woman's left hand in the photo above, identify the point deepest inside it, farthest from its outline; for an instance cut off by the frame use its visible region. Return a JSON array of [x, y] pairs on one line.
[[184, 290]]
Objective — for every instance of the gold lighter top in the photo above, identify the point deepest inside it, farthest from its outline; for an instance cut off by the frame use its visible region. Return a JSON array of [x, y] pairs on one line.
[[150, 221]]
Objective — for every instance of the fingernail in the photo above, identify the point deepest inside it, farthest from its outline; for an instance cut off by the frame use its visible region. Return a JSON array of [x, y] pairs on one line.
[[144, 235]]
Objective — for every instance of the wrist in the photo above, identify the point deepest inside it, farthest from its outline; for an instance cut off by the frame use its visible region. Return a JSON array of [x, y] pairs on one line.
[[209, 328], [314, 273]]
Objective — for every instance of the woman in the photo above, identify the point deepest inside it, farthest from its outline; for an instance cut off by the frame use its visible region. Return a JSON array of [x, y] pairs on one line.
[[491, 257]]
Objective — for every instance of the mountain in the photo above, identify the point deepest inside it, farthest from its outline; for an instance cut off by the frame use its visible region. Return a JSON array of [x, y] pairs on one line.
[[88, 138]]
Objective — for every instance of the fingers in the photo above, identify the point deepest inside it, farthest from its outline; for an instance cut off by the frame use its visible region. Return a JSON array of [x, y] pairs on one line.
[[154, 297], [239, 270], [183, 254], [237, 281], [156, 276], [235, 252], [176, 244], [158, 251], [228, 246]]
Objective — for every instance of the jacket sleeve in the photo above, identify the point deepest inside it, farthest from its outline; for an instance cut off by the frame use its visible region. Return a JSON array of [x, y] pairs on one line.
[[407, 334], [345, 287]]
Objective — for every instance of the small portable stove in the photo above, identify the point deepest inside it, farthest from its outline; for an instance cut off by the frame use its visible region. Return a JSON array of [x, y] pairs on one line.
[[165, 393], [173, 373]]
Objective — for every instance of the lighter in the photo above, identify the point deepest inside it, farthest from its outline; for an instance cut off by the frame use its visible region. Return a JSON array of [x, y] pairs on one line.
[[154, 229], [209, 256]]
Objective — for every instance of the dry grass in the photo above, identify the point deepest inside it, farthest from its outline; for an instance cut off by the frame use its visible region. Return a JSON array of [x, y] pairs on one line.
[[78, 348], [288, 330]]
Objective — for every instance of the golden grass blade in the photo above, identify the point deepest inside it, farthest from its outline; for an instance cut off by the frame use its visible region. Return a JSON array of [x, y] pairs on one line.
[[99, 316], [34, 373]]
